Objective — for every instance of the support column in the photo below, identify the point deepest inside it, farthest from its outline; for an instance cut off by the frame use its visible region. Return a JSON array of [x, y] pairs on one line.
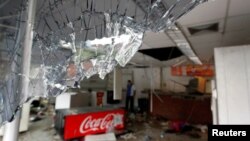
[[12, 128]]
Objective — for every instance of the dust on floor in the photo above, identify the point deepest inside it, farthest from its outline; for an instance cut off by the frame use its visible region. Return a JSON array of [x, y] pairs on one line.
[[139, 131]]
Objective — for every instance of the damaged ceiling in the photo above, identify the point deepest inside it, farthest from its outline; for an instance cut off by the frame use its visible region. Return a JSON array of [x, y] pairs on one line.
[[163, 54], [229, 19]]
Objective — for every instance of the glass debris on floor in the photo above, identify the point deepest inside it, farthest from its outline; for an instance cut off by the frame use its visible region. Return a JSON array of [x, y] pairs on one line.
[[155, 128], [75, 39]]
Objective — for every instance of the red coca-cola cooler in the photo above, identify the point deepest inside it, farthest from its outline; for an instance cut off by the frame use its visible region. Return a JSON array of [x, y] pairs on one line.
[[79, 122]]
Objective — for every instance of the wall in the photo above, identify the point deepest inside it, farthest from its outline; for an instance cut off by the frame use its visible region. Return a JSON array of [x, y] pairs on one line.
[[169, 81], [233, 84], [151, 78], [148, 78], [117, 85], [127, 74]]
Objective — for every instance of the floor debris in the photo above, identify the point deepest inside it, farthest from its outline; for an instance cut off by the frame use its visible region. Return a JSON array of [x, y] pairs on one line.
[[152, 129], [128, 136], [101, 137]]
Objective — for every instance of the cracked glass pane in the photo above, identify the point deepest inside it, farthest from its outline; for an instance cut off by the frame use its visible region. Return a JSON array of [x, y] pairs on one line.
[[74, 40]]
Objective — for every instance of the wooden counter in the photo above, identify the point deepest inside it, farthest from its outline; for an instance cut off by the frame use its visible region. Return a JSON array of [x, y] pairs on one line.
[[193, 109]]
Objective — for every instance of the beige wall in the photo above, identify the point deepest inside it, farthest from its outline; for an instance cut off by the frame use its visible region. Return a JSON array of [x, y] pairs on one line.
[[170, 85]]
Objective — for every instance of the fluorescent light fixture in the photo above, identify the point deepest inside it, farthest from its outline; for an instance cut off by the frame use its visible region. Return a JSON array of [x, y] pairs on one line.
[[177, 36], [196, 60]]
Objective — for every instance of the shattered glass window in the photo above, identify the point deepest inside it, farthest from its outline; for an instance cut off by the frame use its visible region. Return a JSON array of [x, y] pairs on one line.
[[74, 40]]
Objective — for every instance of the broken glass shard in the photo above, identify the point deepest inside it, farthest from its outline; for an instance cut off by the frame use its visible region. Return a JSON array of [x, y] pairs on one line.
[[74, 40]]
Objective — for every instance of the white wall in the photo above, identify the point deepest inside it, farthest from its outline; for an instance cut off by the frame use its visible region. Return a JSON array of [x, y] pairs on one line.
[[148, 78], [232, 66], [117, 85], [169, 85], [127, 74]]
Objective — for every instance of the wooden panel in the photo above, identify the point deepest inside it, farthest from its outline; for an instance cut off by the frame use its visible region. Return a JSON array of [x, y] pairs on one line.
[[195, 111]]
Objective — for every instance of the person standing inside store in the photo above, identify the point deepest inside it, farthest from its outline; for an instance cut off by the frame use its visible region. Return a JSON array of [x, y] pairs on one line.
[[130, 96]]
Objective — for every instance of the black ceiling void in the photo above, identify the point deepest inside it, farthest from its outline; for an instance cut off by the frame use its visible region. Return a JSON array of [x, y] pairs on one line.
[[163, 54], [214, 27]]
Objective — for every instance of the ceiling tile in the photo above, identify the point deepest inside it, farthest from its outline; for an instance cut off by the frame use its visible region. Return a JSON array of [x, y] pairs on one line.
[[208, 11], [206, 38], [145, 46], [239, 7], [157, 40], [204, 45], [238, 22], [205, 51], [236, 36], [160, 44]]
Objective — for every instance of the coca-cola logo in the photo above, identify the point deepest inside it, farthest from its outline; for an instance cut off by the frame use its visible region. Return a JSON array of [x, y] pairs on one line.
[[94, 124]]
